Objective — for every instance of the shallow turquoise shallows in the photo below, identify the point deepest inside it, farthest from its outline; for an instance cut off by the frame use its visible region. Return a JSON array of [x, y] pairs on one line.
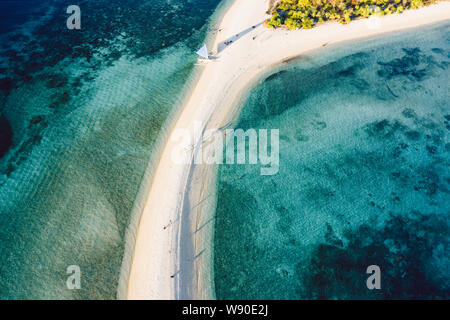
[[364, 177], [81, 112]]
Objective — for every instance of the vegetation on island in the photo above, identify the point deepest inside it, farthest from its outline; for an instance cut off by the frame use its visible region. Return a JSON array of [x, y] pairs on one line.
[[294, 14]]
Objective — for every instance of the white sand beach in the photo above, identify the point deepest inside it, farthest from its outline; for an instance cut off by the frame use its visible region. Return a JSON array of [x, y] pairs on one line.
[[173, 251]]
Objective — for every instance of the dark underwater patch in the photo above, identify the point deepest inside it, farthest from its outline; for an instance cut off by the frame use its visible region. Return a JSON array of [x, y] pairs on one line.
[[60, 99], [432, 149], [409, 113], [447, 147], [414, 64], [319, 125], [413, 135], [428, 182], [348, 72], [275, 75], [284, 223], [360, 84], [383, 128], [300, 136], [6, 85], [6, 136], [438, 51], [57, 81], [405, 249]]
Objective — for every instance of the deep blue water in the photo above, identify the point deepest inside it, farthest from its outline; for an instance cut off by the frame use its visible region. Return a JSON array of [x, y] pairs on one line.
[[364, 177], [80, 114]]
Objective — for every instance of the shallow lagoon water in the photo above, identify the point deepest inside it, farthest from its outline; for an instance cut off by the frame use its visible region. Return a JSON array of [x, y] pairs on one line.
[[364, 177], [80, 113]]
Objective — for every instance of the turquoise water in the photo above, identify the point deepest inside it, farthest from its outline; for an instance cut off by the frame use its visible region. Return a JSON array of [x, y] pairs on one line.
[[364, 177], [80, 117]]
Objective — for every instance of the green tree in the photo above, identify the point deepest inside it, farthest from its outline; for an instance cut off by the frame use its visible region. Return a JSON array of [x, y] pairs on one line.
[[416, 4], [307, 23]]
